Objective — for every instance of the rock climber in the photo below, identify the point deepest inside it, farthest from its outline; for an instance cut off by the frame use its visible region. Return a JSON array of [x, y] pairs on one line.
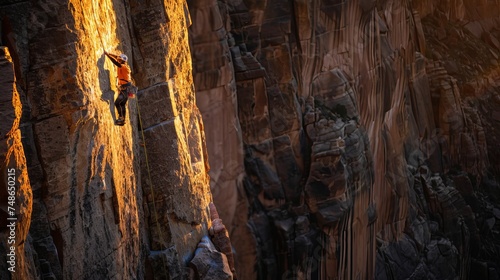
[[124, 83]]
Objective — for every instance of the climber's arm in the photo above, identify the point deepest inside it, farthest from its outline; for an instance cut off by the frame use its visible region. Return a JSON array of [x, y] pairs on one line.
[[113, 58]]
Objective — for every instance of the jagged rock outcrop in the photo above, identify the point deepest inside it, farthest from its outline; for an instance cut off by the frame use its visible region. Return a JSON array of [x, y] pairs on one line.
[[220, 238], [208, 263]]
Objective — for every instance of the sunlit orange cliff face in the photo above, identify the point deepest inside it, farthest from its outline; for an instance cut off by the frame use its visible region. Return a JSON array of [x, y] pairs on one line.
[[108, 201], [267, 140]]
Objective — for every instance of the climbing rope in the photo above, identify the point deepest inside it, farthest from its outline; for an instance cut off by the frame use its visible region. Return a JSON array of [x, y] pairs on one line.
[[149, 175]]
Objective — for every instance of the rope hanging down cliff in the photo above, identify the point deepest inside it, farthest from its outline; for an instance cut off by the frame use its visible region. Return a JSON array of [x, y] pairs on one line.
[[158, 227], [149, 178]]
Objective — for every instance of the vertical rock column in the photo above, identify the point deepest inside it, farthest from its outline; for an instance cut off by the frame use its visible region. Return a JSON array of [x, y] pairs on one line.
[[174, 162], [216, 97], [213, 73], [272, 134], [15, 190]]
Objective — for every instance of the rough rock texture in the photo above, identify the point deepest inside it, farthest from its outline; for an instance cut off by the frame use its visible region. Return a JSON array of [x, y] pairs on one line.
[[208, 263], [15, 213], [220, 238], [107, 204], [369, 131], [213, 73], [175, 170]]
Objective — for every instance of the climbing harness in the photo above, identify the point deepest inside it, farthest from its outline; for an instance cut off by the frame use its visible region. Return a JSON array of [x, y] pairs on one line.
[[130, 89]]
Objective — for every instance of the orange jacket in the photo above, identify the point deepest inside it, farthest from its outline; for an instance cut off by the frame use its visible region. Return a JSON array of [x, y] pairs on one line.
[[123, 74]]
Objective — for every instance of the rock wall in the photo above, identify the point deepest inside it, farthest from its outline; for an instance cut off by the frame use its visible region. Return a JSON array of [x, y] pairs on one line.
[[175, 168], [108, 201], [346, 140], [367, 130], [213, 73], [16, 195]]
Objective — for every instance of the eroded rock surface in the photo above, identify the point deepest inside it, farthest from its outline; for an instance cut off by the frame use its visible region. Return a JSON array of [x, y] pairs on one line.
[[208, 263], [368, 132]]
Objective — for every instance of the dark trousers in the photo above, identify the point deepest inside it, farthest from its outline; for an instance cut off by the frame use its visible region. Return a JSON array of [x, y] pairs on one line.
[[121, 103]]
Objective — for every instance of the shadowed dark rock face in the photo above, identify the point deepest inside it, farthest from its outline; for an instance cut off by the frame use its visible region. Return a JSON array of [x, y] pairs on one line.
[[366, 131]]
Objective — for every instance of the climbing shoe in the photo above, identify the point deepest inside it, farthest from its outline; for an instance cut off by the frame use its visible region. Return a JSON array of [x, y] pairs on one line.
[[120, 121]]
